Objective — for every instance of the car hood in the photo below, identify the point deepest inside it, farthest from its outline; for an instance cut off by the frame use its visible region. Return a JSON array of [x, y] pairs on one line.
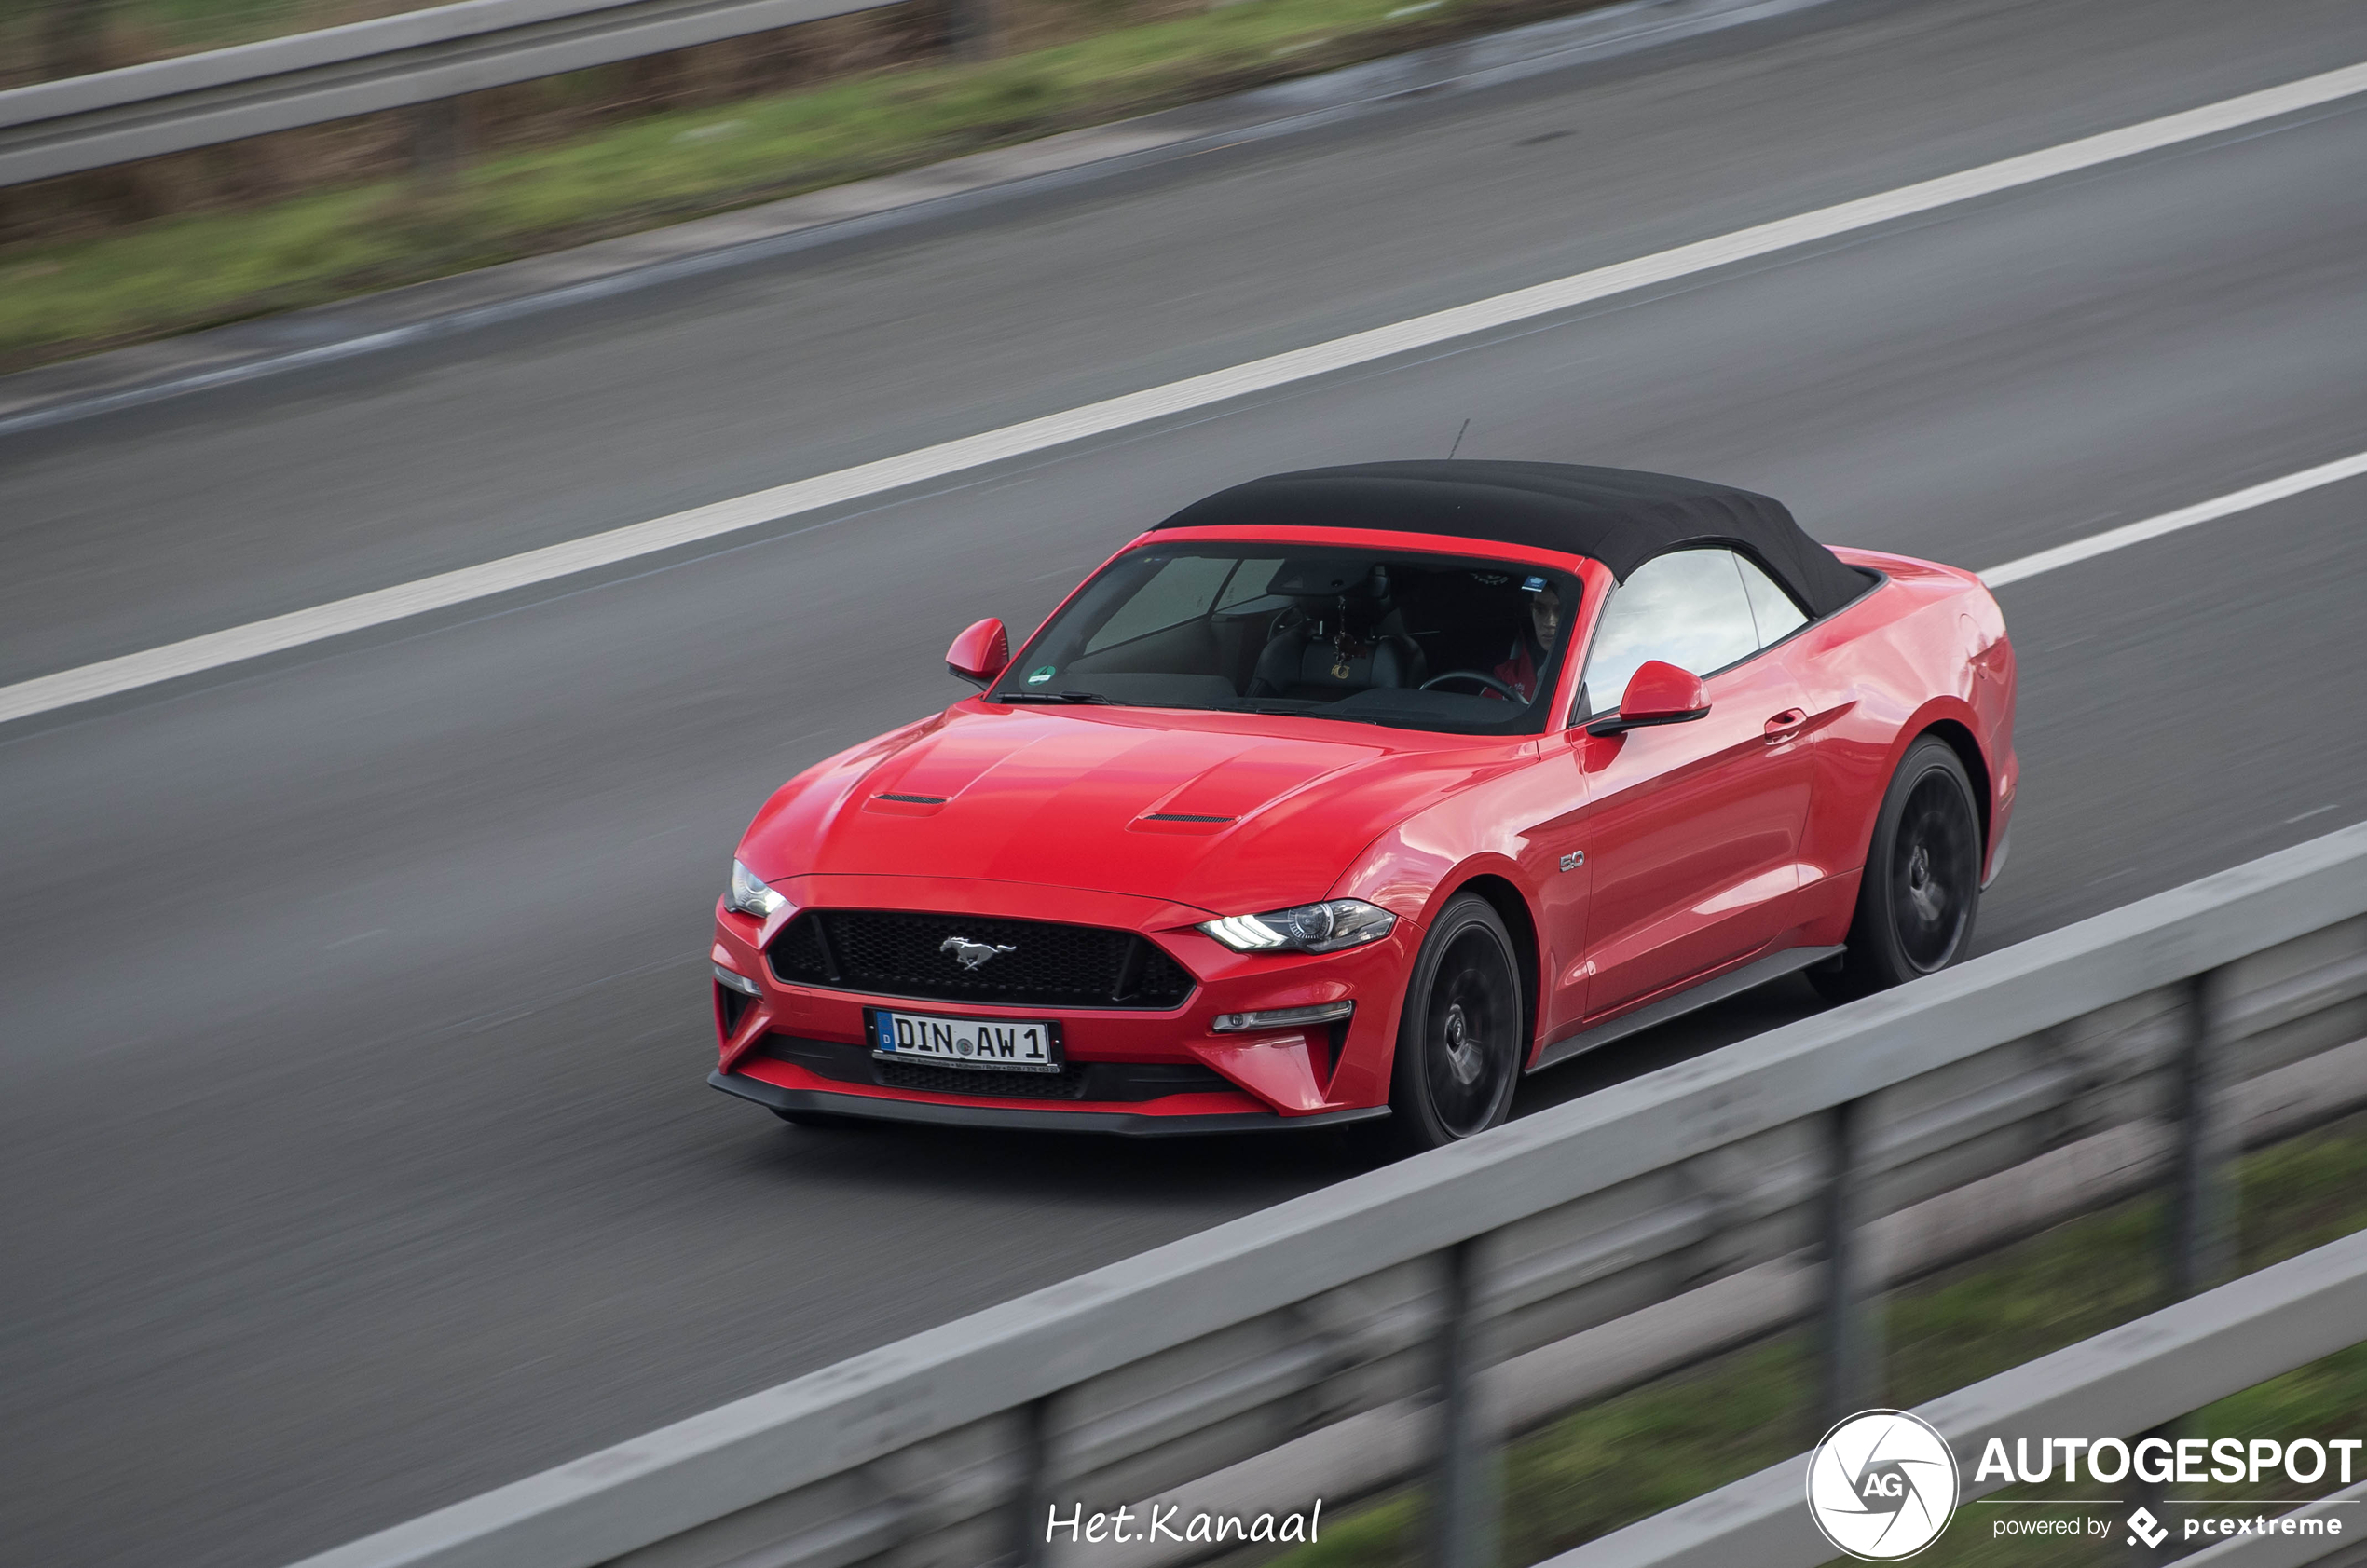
[[1224, 813]]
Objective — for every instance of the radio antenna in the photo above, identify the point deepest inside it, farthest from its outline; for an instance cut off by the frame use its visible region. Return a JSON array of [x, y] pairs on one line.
[[1458, 440]]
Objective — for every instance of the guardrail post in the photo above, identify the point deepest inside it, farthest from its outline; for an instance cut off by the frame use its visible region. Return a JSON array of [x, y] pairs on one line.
[[2202, 1200], [1030, 1488], [2199, 1231], [1462, 1489], [1849, 1337]]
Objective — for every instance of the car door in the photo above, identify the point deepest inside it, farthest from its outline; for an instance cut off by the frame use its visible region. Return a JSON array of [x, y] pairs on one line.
[[1691, 830]]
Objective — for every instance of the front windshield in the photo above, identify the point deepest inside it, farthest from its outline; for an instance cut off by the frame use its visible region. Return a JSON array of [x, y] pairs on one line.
[[1416, 642]]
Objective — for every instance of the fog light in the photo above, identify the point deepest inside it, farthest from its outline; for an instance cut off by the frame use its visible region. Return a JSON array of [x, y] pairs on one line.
[[1282, 1017], [734, 980]]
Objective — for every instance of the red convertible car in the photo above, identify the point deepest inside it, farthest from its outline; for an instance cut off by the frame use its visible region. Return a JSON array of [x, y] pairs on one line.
[[1354, 794]]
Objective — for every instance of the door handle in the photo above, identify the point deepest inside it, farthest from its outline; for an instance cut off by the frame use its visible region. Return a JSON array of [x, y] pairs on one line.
[[1785, 724]]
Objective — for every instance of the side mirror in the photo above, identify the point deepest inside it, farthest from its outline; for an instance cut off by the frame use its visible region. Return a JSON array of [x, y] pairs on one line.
[[1657, 693], [982, 653]]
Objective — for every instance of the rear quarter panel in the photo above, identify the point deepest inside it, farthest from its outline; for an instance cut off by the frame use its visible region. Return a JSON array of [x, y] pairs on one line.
[[1925, 652]]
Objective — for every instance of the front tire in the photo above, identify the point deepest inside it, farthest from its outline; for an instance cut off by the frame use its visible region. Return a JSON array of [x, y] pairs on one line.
[[1920, 890], [1460, 1041]]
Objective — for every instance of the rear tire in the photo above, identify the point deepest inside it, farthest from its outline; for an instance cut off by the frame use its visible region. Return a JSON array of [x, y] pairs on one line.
[[1920, 890], [1460, 1042]]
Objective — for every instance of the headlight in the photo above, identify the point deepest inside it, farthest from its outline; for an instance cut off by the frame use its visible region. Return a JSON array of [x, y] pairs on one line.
[[1308, 928], [749, 896]]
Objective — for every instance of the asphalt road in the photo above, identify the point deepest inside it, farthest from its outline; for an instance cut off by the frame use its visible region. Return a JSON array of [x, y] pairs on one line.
[[355, 1143]]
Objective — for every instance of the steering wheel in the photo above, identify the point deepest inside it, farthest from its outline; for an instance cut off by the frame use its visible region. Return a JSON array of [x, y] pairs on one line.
[[1488, 681]]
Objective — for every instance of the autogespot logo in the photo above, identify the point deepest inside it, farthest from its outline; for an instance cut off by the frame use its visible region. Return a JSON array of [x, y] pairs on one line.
[[1881, 1485]]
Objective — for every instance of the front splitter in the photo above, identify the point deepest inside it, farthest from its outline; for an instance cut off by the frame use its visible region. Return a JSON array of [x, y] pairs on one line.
[[1126, 1123]]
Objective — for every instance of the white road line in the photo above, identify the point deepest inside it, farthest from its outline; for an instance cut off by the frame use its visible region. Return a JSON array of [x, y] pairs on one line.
[[217, 648], [2170, 521]]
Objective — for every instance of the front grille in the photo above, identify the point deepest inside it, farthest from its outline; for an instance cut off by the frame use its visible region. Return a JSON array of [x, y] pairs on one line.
[[849, 1062], [891, 953]]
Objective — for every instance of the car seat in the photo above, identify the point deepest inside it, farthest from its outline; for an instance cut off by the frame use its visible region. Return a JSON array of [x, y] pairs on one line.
[[1341, 634]]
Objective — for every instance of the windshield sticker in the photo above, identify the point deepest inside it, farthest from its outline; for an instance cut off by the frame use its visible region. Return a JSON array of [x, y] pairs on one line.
[[1534, 585], [1040, 676]]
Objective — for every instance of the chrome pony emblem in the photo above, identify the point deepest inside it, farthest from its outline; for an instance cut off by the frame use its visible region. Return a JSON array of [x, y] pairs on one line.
[[969, 954]]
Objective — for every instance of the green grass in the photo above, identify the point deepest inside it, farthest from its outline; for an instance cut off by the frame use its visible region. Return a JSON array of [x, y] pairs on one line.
[[175, 274], [1684, 1435]]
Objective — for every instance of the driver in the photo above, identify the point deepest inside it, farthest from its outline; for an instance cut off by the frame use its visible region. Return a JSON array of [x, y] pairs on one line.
[[1533, 645]]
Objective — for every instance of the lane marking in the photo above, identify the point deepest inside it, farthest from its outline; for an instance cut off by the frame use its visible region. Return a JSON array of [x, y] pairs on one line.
[[2170, 521], [235, 643]]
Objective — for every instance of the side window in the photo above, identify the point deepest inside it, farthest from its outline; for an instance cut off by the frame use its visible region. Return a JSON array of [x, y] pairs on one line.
[[1180, 590], [1688, 609], [1777, 615]]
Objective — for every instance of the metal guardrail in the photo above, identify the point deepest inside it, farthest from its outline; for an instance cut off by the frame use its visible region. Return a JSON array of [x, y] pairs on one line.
[[948, 1446], [1379, 1448], [391, 62], [2125, 1380]]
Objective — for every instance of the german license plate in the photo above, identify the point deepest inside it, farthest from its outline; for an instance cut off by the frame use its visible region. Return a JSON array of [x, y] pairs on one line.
[[985, 1044]]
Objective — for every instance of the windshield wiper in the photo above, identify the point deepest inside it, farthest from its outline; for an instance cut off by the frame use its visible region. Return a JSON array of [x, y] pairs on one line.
[[1053, 696], [1320, 711]]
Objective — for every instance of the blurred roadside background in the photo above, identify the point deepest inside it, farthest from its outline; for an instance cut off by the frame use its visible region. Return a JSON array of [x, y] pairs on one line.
[[219, 234]]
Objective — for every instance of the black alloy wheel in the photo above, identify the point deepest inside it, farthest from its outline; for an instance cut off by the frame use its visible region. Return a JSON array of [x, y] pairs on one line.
[[1922, 885], [1935, 871], [1461, 1041]]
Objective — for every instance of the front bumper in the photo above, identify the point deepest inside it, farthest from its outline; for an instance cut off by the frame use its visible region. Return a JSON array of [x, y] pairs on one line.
[[768, 1028], [1134, 1124]]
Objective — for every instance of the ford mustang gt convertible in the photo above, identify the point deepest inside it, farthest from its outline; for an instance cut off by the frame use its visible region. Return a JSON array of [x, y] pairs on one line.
[[1352, 795]]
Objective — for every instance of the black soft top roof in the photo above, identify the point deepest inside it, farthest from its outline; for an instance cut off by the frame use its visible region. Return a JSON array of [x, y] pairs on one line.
[[1621, 517]]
